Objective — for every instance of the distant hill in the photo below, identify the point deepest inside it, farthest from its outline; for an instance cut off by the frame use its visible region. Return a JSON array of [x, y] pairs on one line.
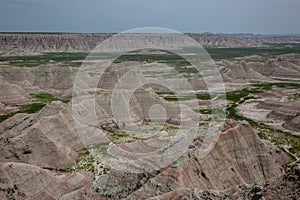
[[28, 43]]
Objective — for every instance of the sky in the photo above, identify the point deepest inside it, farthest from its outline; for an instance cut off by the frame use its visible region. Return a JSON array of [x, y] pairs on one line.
[[97, 16]]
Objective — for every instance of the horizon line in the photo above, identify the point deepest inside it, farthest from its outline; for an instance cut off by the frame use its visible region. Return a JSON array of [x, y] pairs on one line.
[[218, 33]]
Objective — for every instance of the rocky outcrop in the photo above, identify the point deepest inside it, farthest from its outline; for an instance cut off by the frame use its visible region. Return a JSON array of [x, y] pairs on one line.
[[239, 40], [284, 187], [194, 194], [36, 43], [274, 93], [22, 181], [46, 139], [293, 124], [21, 43], [269, 104], [283, 66], [286, 112], [34, 147], [18, 82], [239, 157], [140, 107], [281, 109], [241, 70], [4, 110], [12, 93]]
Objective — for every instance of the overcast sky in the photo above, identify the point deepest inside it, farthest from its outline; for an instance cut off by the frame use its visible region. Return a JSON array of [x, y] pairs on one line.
[[217, 16]]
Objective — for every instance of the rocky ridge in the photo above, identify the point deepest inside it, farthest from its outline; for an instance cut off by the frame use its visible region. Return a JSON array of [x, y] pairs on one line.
[[22, 43], [283, 66], [246, 158]]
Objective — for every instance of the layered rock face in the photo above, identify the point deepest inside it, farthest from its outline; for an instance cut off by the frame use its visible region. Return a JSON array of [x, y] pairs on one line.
[[35, 43], [4, 110], [140, 106], [36, 149], [239, 40], [241, 70], [239, 157], [286, 112], [22, 181], [12, 93], [17, 82], [284, 187], [46, 139], [22, 44], [293, 124], [33, 144], [284, 66]]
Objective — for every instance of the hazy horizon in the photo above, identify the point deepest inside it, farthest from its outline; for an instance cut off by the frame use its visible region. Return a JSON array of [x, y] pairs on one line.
[[254, 34], [274, 17]]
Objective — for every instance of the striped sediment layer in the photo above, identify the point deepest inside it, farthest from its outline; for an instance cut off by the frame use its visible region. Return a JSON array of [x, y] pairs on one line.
[[238, 157]]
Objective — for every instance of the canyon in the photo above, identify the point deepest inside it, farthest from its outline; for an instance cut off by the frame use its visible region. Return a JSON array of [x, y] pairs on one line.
[[48, 152]]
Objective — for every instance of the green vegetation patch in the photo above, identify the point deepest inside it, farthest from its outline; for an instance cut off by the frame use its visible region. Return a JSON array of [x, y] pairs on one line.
[[84, 162], [31, 108], [286, 141], [160, 56], [27, 63], [164, 57], [120, 136], [45, 58], [268, 86], [44, 97], [39, 101], [203, 96], [170, 129], [293, 97], [47, 98], [232, 53], [236, 96], [161, 92]]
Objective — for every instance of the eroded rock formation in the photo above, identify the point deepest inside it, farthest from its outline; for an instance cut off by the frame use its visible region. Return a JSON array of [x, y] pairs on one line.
[[284, 66], [239, 157], [18, 43]]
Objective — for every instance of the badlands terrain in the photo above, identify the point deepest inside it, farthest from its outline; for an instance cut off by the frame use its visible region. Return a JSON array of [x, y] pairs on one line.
[[48, 152]]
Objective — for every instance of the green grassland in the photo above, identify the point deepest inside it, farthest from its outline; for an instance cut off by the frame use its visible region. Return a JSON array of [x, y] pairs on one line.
[[38, 102], [165, 57], [271, 50], [45, 58], [162, 56]]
